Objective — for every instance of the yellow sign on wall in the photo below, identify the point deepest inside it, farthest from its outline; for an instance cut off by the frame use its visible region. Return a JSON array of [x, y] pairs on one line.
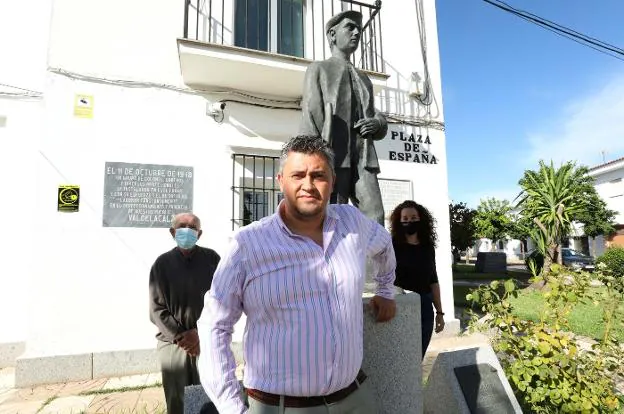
[[83, 106], [68, 198]]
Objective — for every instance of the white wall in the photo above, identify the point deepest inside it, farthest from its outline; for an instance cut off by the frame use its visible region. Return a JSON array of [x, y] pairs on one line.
[[612, 191], [23, 44], [429, 181], [121, 39], [88, 290]]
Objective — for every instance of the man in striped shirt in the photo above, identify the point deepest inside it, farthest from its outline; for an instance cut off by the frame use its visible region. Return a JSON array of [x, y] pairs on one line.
[[299, 277]]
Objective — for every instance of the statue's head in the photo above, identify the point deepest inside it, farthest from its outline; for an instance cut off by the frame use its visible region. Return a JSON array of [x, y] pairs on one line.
[[344, 31]]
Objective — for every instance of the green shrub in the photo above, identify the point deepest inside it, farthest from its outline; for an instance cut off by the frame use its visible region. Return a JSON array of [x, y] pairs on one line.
[[546, 367], [613, 258]]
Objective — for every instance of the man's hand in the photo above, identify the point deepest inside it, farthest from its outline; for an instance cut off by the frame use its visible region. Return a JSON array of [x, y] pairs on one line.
[[385, 309], [439, 323], [368, 126], [194, 351], [189, 340]]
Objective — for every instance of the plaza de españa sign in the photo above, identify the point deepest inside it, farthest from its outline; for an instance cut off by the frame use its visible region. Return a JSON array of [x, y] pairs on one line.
[[405, 145]]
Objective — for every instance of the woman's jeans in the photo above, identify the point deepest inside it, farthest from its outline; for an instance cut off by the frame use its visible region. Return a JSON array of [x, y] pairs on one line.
[[426, 319]]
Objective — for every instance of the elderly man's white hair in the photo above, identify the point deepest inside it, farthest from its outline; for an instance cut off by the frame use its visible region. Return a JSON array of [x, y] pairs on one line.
[[177, 217]]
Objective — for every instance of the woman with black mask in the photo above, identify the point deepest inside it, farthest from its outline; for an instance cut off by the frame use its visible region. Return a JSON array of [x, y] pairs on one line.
[[414, 240]]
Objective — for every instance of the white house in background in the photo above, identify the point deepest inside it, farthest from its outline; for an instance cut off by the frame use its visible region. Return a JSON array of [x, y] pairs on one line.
[[609, 183], [514, 249], [115, 114]]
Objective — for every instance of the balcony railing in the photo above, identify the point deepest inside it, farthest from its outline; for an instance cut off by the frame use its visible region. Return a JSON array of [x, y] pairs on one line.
[[287, 27]]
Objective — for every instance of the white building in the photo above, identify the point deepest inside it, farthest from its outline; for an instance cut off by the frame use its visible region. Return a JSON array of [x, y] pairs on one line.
[[119, 98], [609, 183]]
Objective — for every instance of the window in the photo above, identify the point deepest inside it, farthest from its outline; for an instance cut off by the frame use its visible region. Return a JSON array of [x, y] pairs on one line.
[[255, 191], [270, 25]]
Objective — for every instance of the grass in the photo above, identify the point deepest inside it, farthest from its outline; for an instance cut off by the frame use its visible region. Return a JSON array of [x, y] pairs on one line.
[[46, 402], [122, 389], [585, 319], [467, 272]]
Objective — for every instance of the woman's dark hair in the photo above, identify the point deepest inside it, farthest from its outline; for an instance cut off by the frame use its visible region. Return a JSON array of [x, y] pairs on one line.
[[428, 237]]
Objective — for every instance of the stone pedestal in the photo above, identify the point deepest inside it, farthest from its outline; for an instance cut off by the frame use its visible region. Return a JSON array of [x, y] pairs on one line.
[[393, 356], [444, 393]]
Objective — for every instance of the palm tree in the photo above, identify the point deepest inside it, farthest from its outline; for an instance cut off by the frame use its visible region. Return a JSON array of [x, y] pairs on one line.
[[552, 197]]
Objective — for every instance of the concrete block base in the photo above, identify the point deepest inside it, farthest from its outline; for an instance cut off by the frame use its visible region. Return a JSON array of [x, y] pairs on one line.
[[9, 352], [111, 364], [32, 370]]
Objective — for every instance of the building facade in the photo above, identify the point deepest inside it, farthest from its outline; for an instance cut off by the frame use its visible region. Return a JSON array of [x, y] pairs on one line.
[[119, 114], [609, 183]]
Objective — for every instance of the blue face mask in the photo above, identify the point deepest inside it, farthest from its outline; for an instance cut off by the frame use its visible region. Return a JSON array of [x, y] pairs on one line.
[[186, 238]]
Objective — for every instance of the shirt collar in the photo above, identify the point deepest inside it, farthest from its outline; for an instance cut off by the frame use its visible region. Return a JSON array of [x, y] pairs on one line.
[[330, 212]]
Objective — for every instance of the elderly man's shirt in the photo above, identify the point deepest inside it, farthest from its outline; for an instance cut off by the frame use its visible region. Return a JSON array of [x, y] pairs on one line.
[[303, 304], [177, 286]]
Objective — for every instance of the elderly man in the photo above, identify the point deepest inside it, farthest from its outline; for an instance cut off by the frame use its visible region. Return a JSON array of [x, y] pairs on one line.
[[178, 281], [338, 105], [299, 276]]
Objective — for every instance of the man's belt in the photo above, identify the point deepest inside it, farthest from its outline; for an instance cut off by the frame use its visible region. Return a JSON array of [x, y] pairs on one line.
[[303, 402]]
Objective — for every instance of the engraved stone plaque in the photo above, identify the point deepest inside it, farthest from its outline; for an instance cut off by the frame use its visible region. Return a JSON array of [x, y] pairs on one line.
[[145, 195], [483, 389]]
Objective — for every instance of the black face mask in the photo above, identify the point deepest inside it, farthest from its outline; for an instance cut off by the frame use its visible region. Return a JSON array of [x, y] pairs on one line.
[[411, 227]]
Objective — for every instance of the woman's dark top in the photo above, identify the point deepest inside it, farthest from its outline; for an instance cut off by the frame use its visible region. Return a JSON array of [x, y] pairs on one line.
[[416, 267]]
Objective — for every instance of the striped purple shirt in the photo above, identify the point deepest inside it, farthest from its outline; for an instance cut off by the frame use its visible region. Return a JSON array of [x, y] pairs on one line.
[[303, 304]]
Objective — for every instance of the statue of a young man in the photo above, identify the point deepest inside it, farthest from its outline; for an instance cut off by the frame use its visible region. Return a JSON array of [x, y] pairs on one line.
[[338, 105]]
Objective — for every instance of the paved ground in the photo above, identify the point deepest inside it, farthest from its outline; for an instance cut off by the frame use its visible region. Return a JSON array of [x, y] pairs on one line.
[[138, 394]]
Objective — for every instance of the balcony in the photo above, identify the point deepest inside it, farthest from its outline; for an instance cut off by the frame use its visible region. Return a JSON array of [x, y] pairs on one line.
[[265, 46]]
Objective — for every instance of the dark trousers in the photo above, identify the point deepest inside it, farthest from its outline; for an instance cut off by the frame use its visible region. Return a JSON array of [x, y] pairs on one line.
[[426, 319], [361, 187], [178, 370]]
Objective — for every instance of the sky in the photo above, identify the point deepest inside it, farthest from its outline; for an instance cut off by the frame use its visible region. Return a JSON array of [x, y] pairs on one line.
[[515, 93]]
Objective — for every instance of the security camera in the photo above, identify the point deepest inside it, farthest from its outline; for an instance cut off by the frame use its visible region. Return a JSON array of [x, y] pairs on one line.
[[215, 108]]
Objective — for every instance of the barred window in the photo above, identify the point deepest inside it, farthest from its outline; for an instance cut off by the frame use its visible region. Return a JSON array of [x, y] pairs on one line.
[[255, 190]]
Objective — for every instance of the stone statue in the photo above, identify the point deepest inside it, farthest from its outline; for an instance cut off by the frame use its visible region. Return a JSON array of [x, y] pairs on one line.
[[338, 105]]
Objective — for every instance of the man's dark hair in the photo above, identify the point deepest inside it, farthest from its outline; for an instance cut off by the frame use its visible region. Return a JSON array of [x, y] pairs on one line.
[[307, 144]]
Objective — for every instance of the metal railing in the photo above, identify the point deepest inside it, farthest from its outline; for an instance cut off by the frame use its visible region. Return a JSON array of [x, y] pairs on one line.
[[288, 27]]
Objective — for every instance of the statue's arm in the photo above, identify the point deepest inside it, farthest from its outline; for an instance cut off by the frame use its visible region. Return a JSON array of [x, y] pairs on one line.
[[312, 106], [383, 123], [383, 128]]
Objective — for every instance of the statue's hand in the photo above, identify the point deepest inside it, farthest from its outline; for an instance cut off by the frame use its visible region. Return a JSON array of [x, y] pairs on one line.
[[367, 126]]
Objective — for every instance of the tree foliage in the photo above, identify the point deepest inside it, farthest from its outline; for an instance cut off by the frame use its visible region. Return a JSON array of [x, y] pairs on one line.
[[463, 233], [553, 197], [542, 359], [597, 219], [493, 219], [613, 260]]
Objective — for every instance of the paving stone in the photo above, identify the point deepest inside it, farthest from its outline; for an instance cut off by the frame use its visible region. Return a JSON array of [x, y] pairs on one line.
[[21, 407], [120, 402], [151, 400], [76, 388], [123, 382], [7, 378], [6, 394], [68, 405], [153, 378], [40, 393]]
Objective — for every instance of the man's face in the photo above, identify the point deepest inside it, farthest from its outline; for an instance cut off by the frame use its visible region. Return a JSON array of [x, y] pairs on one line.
[[307, 182], [346, 35], [187, 221]]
